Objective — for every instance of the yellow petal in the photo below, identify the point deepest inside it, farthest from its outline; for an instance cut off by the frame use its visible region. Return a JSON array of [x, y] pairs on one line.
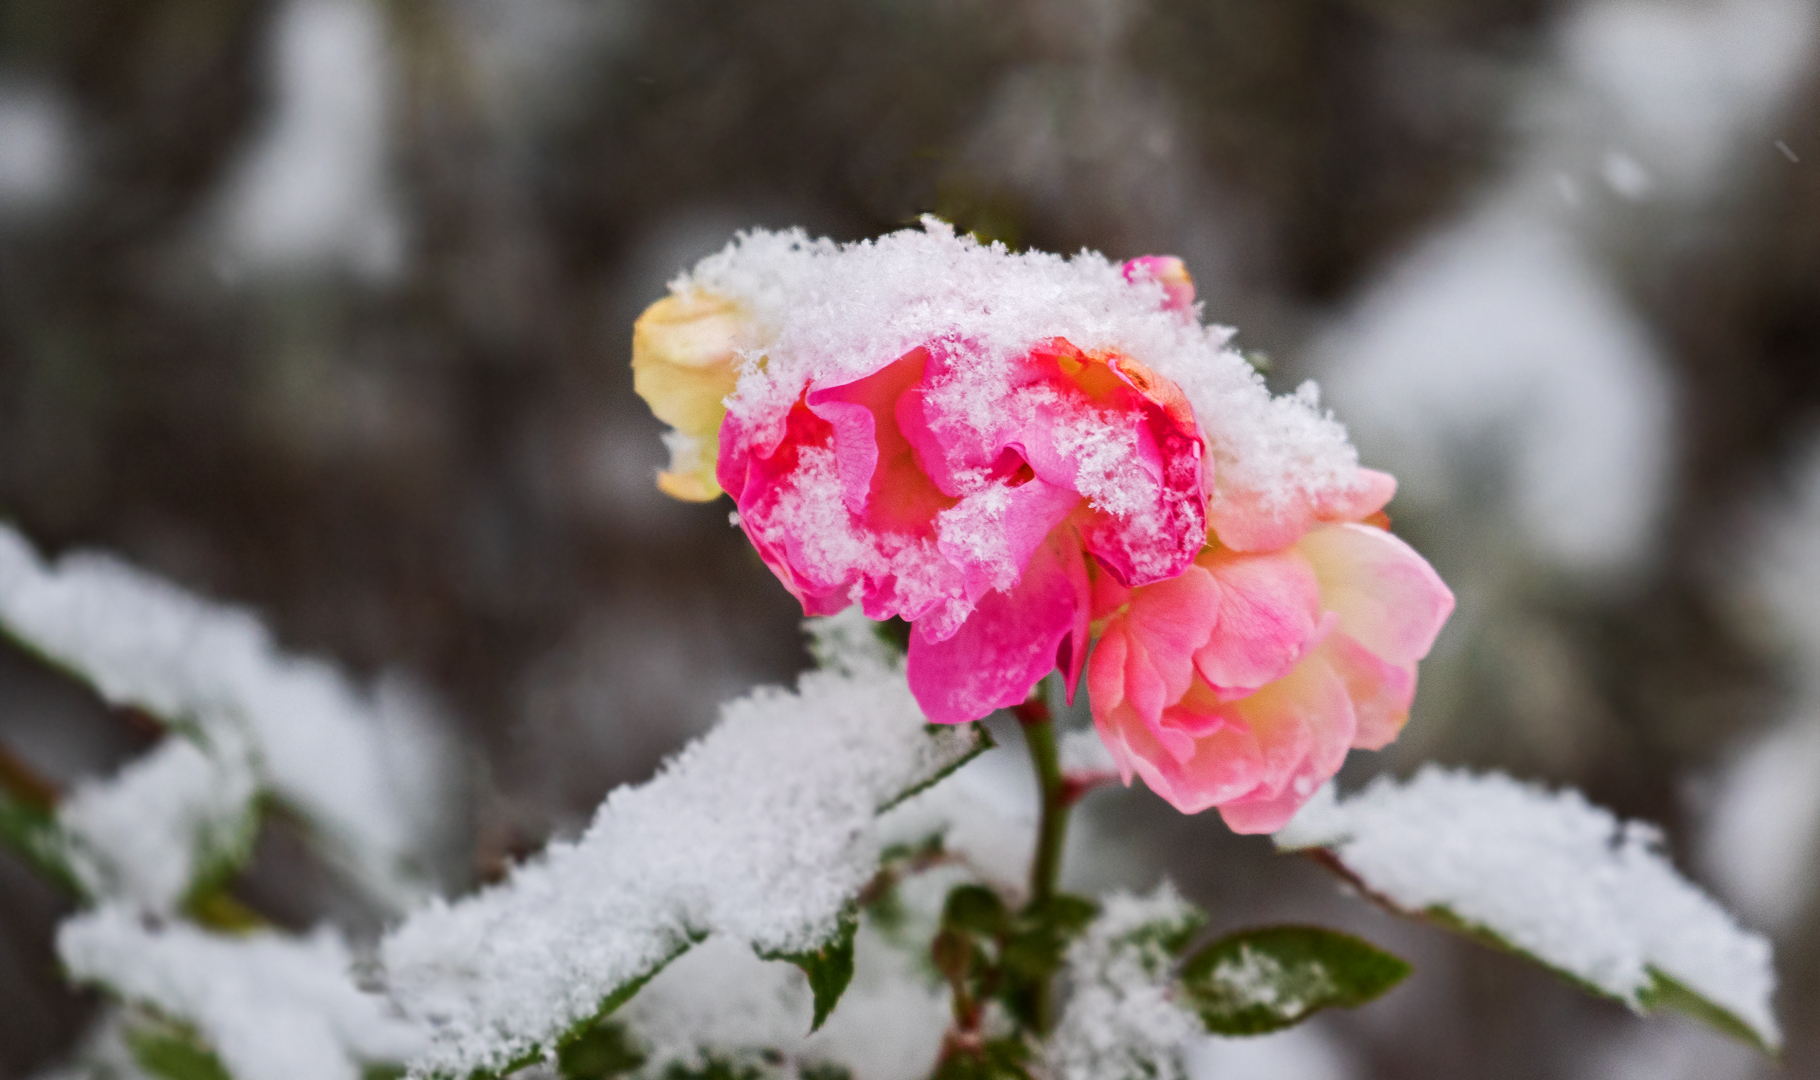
[[691, 473], [685, 361]]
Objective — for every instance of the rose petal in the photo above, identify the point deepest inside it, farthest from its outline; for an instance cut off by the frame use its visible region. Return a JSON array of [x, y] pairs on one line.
[[1006, 646], [1248, 521], [1388, 598], [1267, 607]]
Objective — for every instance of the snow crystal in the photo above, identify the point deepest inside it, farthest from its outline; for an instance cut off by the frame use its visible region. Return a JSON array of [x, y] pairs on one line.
[[1121, 1020], [273, 1007], [146, 834], [1553, 875], [832, 313], [366, 772], [761, 831]]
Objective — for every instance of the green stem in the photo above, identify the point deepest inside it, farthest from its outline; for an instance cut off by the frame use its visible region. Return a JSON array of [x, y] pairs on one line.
[[1052, 833]]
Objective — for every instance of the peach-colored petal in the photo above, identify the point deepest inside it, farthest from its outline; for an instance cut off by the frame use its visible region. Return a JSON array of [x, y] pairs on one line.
[[1161, 627], [1106, 669], [1268, 610], [1388, 598], [1248, 521], [1381, 691], [1305, 724]]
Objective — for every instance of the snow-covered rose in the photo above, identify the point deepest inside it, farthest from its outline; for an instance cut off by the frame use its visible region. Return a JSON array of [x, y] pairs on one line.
[[1016, 452]]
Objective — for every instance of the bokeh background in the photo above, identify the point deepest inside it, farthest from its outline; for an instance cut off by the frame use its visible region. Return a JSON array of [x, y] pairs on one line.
[[324, 307]]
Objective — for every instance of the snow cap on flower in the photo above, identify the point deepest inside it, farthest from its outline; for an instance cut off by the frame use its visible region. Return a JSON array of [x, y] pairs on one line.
[[952, 433]]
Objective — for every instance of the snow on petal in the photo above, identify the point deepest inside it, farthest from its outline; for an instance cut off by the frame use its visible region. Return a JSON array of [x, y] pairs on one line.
[[913, 417]]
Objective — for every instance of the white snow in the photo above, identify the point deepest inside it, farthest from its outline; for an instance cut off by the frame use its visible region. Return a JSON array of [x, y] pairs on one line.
[[1553, 875], [314, 189], [1763, 835], [831, 313], [722, 1002], [144, 834], [272, 1007], [761, 831], [1121, 1020], [365, 770]]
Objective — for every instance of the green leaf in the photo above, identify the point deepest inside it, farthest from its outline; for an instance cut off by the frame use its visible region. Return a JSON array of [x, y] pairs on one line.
[[974, 909], [599, 1050], [1665, 992], [171, 1052], [1032, 952], [1042, 932], [1262, 980], [830, 968], [33, 833]]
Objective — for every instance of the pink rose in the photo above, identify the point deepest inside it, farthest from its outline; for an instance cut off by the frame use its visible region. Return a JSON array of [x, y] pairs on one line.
[[1243, 682], [963, 497]]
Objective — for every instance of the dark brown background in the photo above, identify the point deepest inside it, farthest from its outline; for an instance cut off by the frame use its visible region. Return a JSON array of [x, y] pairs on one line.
[[440, 468]]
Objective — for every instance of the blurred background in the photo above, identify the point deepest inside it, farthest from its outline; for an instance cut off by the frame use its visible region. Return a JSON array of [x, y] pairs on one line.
[[324, 307]]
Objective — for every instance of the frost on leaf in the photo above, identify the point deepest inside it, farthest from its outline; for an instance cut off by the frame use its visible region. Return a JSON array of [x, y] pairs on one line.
[[762, 832], [1258, 981], [271, 1007], [168, 824], [363, 770], [1552, 877], [1123, 1019]]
